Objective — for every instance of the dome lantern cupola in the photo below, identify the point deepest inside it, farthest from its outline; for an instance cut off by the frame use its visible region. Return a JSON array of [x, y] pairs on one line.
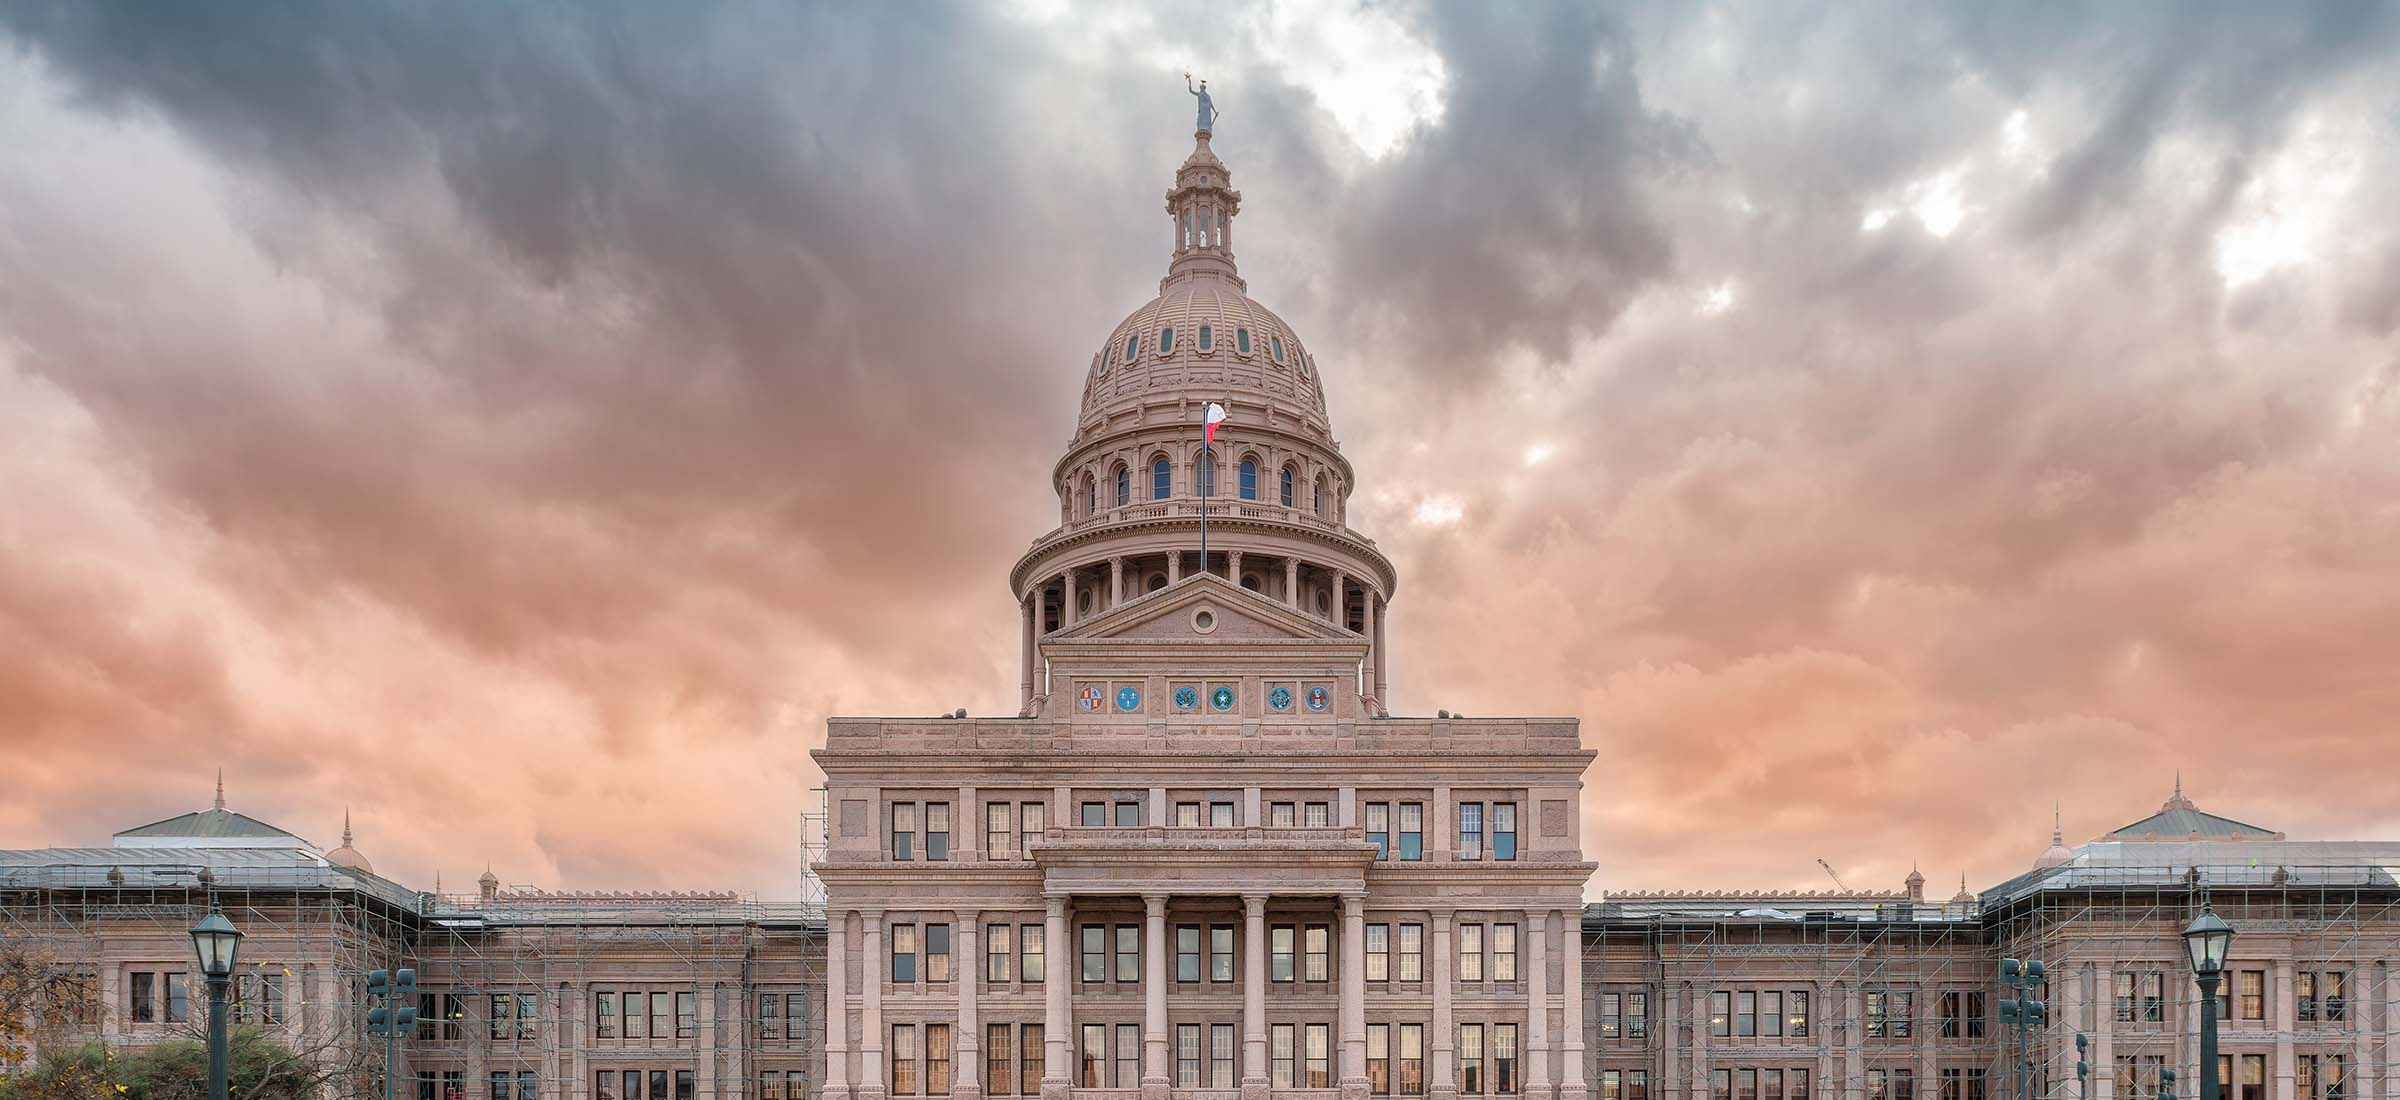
[[1202, 205]]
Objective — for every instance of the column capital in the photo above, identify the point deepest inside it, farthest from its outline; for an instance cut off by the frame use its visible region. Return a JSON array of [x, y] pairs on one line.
[[1254, 905], [1442, 916], [869, 914], [1154, 904], [1353, 905], [1057, 905], [967, 917]]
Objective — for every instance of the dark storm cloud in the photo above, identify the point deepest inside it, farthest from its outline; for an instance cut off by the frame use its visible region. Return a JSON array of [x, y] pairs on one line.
[[592, 398]]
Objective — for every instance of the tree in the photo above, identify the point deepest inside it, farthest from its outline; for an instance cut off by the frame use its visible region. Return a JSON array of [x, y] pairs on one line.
[[45, 1003], [258, 1066]]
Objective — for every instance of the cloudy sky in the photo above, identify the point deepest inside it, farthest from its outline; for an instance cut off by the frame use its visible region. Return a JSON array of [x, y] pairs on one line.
[[524, 424]]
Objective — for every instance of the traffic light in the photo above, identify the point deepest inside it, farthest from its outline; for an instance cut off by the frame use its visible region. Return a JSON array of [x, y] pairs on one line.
[[2009, 969], [404, 982], [2037, 1013], [379, 1021], [2083, 1069], [408, 1020], [379, 983], [2008, 1008]]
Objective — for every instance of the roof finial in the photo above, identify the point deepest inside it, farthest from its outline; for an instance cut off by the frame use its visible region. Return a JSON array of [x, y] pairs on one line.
[[345, 826], [1208, 107], [220, 788], [2179, 784], [2058, 831]]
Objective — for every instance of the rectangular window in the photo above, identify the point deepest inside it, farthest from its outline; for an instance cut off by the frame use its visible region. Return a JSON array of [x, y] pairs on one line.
[[770, 1085], [1095, 814], [1129, 1056], [1316, 815], [2304, 997], [903, 1074], [683, 1084], [1745, 1014], [1470, 830], [1795, 1021], [904, 953], [1220, 815], [1379, 829], [1095, 953], [2254, 1075], [1317, 1070], [1220, 1056], [1470, 1059], [1032, 1060], [1504, 1058], [1879, 1089], [1379, 1059], [179, 997], [998, 831], [937, 1059], [1745, 1084], [1962, 1014], [1283, 815], [1029, 952], [636, 1010], [937, 830], [1282, 1059], [270, 998], [2333, 995], [1612, 1085], [687, 1016], [1379, 952], [904, 830], [528, 1085], [503, 1015], [1412, 1059], [1032, 817], [1187, 1056], [1187, 956], [1637, 1084], [500, 1082], [1904, 1084], [1504, 830], [1799, 1084], [658, 1084], [1504, 952], [1612, 1015], [2254, 994], [1187, 815], [142, 998], [1129, 814], [1720, 1014], [604, 1016], [770, 1016], [1470, 952], [1220, 953], [1129, 953], [2154, 997], [937, 955], [1317, 939], [526, 1015], [1412, 831], [1770, 1013], [995, 952], [795, 1016], [1412, 953], [2125, 998], [1770, 1084], [1279, 952]]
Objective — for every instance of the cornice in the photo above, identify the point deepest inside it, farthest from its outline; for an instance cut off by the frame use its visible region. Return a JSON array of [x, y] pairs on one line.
[[1050, 545]]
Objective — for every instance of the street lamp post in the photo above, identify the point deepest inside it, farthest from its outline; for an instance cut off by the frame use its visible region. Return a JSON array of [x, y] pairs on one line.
[[2206, 940], [216, 941]]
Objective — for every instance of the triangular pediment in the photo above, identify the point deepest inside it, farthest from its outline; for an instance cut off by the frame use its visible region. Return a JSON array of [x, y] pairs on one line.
[[1233, 614]]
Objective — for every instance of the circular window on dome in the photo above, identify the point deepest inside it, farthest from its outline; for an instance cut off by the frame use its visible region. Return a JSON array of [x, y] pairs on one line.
[[1204, 620]]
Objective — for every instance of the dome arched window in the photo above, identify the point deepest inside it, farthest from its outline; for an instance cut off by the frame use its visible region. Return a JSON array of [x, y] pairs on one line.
[[1241, 341], [1275, 344], [1286, 486], [1166, 340], [1124, 485], [1206, 344], [1161, 475], [1319, 502], [1249, 477], [1133, 346], [1100, 363], [1204, 473], [1091, 501]]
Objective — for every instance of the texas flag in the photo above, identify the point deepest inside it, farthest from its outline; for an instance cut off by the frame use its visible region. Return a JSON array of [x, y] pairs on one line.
[[1214, 417]]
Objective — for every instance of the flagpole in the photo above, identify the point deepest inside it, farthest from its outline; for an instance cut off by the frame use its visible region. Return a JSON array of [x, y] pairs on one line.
[[1208, 480]]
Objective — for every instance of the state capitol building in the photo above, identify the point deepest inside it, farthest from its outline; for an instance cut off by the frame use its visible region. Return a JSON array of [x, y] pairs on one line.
[[1204, 861]]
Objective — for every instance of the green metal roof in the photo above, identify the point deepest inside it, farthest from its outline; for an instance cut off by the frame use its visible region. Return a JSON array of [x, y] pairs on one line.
[[208, 823]]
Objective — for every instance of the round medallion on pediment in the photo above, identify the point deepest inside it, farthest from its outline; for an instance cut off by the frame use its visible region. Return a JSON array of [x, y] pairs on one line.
[[1221, 698], [1187, 698]]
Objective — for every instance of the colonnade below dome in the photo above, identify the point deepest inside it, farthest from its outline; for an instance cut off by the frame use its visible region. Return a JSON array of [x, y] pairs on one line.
[[1084, 591]]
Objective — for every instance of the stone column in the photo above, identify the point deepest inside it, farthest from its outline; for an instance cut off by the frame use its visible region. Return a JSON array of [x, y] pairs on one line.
[[872, 969], [2361, 991], [1442, 1076], [1154, 997], [1697, 1013], [1116, 581], [1854, 1065], [1057, 977], [1291, 582], [837, 1005], [1537, 1006], [705, 1081], [1025, 654], [1254, 991], [1366, 672], [1665, 999], [2104, 1019], [1351, 1022], [1174, 566], [966, 1077], [1383, 661], [966, 828], [1339, 614], [1570, 985], [1233, 567], [1066, 606], [2286, 1017]]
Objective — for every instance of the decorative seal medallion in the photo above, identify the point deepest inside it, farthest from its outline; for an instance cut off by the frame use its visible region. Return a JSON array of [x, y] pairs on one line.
[[1221, 698], [1089, 697], [1187, 698], [1280, 698], [1129, 698], [1319, 698]]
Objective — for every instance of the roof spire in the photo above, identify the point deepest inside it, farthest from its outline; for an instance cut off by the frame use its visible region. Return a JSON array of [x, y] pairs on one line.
[[220, 788], [2058, 832], [345, 826], [2178, 802]]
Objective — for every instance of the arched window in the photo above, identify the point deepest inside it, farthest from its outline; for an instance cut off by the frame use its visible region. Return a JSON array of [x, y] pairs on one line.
[[1241, 340], [1160, 475], [1100, 363], [1205, 343], [1157, 581], [1287, 486], [1124, 485], [1166, 340], [1133, 346], [1318, 504], [1249, 477], [1204, 224], [1204, 473], [1091, 502], [1275, 343], [1187, 229]]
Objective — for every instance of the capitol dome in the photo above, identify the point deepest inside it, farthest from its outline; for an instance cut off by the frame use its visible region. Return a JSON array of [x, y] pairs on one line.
[[346, 855]]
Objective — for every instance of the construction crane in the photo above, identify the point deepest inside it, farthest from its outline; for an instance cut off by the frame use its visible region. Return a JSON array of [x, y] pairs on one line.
[[1837, 879]]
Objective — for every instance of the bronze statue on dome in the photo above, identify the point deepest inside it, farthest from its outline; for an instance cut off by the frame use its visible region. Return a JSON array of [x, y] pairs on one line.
[[1208, 107]]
